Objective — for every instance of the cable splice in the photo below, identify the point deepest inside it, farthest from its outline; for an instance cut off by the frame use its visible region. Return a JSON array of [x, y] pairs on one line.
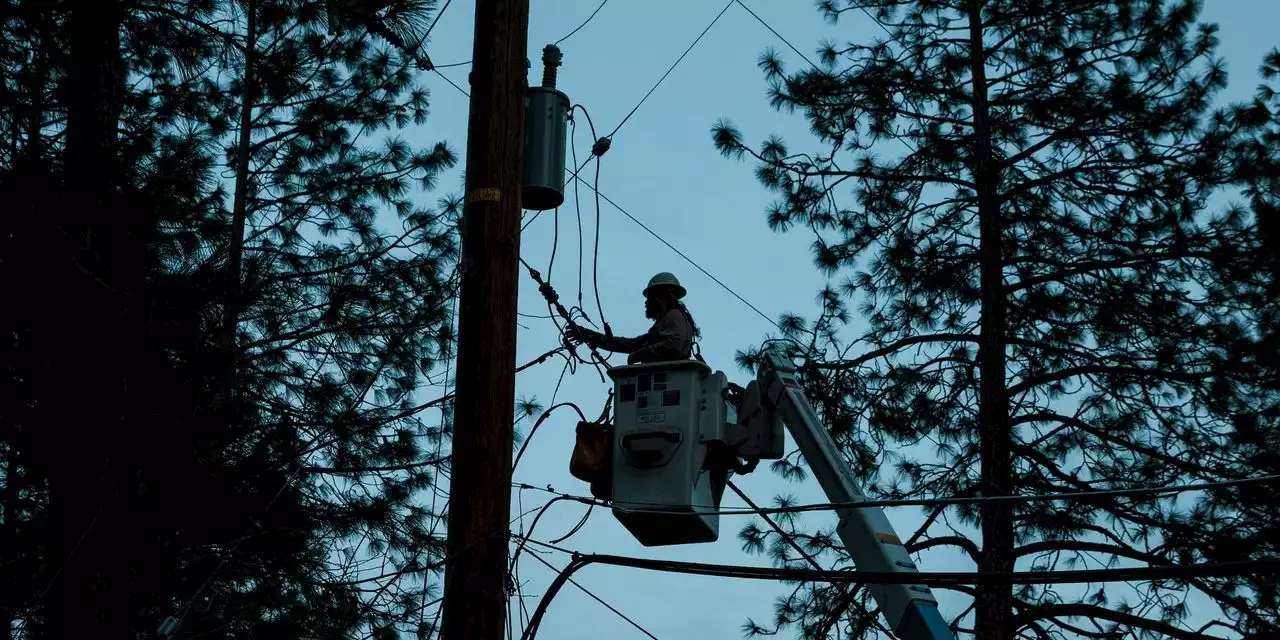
[[601, 147], [549, 294]]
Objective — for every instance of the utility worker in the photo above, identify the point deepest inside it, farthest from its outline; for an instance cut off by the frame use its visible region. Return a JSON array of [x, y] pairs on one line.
[[671, 336]]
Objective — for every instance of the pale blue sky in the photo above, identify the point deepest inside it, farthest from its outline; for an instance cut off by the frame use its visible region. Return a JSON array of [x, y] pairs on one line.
[[664, 170]]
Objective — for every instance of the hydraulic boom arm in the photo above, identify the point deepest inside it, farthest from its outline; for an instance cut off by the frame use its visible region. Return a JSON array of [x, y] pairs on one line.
[[911, 610]]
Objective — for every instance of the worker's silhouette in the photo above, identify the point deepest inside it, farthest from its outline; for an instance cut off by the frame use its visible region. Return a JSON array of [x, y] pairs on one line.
[[670, 338]]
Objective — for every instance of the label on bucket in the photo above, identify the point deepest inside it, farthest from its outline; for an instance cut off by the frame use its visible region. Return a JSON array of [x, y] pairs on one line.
[[650, 417]]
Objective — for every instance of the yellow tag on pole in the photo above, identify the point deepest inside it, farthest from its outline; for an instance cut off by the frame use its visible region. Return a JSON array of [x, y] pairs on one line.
[[486, 194]]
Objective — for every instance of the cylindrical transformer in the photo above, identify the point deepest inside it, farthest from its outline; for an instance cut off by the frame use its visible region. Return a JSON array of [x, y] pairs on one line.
[[546, 128]]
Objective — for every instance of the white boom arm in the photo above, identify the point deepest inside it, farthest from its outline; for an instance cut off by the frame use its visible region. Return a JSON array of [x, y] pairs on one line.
[[911, 610]]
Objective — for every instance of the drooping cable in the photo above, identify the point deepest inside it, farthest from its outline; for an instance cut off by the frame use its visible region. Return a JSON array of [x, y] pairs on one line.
[[555, 241], [934, 502], [553, 300], [592, 596], [595, 258], [527, 537], [584, 22], [577, 527], [545, 414], [577, 203], [932, 579]]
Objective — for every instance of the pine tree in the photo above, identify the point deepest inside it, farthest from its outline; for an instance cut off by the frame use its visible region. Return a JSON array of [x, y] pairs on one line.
[[337, 321], [268, 334], [1245, 278], [1027, 241]]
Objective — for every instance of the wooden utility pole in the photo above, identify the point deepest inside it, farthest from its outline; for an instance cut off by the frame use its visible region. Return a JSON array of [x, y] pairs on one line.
[[475, 576]]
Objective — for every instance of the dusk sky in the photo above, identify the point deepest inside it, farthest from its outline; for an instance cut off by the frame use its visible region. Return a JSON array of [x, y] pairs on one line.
[[663, 169]]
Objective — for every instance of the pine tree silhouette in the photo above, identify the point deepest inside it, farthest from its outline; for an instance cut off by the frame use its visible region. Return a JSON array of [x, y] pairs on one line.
[[1016, 198]]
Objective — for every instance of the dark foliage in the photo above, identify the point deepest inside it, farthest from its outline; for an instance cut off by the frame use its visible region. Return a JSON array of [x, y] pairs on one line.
[[1054, 297], [216, 407]]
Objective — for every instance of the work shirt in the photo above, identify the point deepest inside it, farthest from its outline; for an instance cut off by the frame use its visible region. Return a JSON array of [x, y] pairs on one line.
[[670, 338]]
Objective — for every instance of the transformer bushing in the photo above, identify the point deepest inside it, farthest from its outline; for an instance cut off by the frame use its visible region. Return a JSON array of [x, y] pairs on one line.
[[546, 131]]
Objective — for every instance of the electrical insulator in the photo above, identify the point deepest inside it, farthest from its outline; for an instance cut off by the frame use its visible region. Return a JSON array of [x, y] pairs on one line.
[[546, 129]]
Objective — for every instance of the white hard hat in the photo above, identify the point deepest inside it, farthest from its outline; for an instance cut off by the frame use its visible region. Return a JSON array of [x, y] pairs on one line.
[[665, 279]]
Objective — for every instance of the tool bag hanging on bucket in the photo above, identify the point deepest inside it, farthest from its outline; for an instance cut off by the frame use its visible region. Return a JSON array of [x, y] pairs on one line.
[[592, 459]]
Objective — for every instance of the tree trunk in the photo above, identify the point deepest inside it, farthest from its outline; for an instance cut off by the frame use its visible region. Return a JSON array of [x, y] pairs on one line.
[[90, 321], [240, 199], [9, 536], [994, 603], [37, 79]]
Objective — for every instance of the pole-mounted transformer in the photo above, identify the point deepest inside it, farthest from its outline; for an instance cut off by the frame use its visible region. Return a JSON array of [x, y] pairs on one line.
[[546, 129]]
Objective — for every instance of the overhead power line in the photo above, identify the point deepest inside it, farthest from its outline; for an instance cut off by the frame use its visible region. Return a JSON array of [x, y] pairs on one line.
[[934, 502], [775, 32], [788, 538], [933, 579], [584, 22], [681, 254], [655, 86], [674, 65], [592, 595], [451, 82], [434, 22]]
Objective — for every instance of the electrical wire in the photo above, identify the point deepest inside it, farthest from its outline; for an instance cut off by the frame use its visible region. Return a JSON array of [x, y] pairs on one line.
[[932, 579], [932, 502], [776, 527], [593, 596], [183, 610], [595, 259], [451, 82], [434, 22], [555, 241], [682, 254], [545, 414], [651, 90], [444, 413], [792, 542], [575, 177], [584, 23], [672, 67], [779, 35], [435, 67], [71, 554], [578, 204], [577, 527], [527, 537], [552, 298], [878, 22], [577, 201]]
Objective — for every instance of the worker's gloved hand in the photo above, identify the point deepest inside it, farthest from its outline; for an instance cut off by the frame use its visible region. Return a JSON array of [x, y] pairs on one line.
[[575, 335]]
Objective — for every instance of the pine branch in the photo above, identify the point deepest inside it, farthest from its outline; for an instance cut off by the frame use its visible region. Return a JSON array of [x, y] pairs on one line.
[[364, 470], [1055, 611]]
